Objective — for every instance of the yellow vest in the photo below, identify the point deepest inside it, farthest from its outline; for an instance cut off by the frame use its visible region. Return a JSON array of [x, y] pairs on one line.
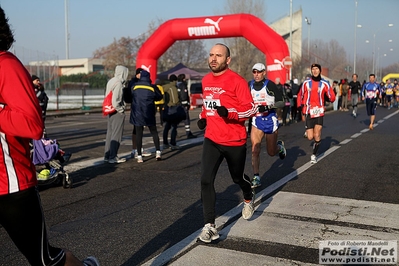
[[161, 101]]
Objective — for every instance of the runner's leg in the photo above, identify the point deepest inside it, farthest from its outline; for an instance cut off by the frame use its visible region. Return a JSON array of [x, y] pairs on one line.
[[211, 160]]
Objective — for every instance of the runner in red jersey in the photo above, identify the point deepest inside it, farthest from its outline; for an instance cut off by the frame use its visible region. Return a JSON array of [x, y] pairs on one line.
[[311, 98], [21, 213], [227, 103]]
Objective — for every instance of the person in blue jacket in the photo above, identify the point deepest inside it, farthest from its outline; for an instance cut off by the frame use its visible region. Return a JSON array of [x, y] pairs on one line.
[[142, 113], [370, 91]]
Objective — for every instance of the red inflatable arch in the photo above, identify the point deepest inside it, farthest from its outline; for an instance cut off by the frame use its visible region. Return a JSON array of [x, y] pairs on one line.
[[237, 25]]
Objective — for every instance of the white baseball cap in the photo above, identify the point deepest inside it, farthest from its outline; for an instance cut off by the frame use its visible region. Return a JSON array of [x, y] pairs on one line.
[[259, 67]]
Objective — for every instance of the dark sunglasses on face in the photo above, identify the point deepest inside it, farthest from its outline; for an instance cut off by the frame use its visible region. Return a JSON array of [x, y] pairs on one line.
[[257, 71]]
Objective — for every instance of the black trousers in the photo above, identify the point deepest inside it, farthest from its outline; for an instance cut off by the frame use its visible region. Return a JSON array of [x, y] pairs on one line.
[[21, 215], [212, 156], [139, 137], [187, 121]]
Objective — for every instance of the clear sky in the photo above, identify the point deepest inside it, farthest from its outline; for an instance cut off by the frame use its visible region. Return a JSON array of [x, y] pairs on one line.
[[39, 25]]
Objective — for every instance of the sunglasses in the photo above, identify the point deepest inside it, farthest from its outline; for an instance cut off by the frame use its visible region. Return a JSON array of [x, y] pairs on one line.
[[257, 71]]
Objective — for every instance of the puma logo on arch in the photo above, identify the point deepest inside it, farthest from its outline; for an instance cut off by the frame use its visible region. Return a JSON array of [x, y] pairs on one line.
[[214, 23], [205, 30]]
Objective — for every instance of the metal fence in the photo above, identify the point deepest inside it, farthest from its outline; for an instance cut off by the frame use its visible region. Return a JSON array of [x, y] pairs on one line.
[[41, 64], [75, 98], [70, 95]]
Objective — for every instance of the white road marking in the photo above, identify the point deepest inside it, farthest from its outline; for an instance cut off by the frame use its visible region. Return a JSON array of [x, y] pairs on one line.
[[390, 115], [345, 141], [125, 141]]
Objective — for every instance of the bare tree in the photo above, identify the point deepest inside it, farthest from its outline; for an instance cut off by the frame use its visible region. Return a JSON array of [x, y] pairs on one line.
[[330, 55], [243, 53], [389, 69], [124, 51], [299, 68], [364, 66], [117, 53], [189, 52]]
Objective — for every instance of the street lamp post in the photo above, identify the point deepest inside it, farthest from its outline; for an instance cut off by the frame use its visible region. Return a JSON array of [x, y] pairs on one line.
[[290, 37], [354, 56], [373, 52], [66, 31], [309, 22], [389, 25], [379, 68], [354, 53]]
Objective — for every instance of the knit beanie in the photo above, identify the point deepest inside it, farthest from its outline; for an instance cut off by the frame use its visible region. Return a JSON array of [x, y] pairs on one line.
[[315, 65], [318, 78]]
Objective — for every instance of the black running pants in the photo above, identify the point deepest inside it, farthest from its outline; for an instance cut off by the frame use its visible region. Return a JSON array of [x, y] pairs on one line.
[[212, 156], [21, 215]]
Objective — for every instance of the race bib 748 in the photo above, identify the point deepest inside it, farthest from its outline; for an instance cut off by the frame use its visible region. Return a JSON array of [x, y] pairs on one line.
[[211, 104]]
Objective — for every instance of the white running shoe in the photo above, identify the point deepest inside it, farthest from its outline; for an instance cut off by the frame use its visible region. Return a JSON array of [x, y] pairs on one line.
[[145, 153], [208, 234], [248, 209], [158, 155], [139, 159], [313, 159], [117, 160]]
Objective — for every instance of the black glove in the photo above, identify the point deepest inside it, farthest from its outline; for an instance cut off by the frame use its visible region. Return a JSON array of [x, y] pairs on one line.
[[222, 111], [326, 99], [262, 108], [201, 123]]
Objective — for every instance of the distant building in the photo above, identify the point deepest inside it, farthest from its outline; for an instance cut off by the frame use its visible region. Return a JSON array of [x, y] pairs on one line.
[[50, 71], [282, 27], [82, 65], [72, 66]]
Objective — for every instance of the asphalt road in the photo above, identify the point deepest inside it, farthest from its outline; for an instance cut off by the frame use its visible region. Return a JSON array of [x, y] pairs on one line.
[[129, 213]]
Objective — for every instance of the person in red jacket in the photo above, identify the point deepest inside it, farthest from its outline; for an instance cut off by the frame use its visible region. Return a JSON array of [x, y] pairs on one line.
[[311, 97], [21, 213], [227, 103]]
